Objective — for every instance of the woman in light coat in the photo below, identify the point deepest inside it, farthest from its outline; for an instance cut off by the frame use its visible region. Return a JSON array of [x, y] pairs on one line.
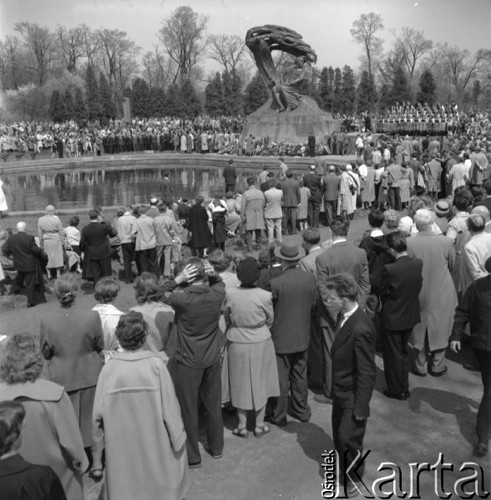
[[137, 420]]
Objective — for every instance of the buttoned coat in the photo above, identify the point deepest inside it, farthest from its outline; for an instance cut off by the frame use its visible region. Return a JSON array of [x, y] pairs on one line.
[[438, 297], [95, 238], [353, 364]]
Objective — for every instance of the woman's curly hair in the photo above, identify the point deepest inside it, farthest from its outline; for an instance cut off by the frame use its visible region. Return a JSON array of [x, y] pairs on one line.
[[132, 330], [20, 359]]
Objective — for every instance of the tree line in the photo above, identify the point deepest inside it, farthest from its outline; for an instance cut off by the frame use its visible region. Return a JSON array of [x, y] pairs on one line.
[[85, 73]]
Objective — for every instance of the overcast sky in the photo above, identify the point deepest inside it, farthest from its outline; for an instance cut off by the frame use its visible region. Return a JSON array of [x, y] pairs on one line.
[[324, 24]]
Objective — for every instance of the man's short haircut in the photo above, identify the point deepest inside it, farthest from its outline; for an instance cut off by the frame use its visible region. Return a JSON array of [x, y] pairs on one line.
[[312, 236], [199, 200], [487, 186], [93, 214], [198, 263], [476, 223], [289, 174], [270, 175], [344, 285], [251, 181], [142, 210], [339, 226], [376, 218], [397, 241]]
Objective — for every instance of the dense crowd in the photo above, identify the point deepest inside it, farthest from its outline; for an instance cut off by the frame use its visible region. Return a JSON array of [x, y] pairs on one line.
[[213, 323]]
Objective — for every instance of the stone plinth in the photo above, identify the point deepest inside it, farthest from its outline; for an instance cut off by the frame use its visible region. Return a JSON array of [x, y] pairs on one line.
[[291, 126]]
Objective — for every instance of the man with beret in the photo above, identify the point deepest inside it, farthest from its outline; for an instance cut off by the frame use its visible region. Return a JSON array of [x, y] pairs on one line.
[[293, 299], [475, 309]]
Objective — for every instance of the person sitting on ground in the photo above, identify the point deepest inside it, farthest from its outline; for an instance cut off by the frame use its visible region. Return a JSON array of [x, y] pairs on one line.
[[19, 479]]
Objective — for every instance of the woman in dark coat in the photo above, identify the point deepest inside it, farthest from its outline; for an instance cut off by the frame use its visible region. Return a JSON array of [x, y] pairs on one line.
[[72, 341], [200, 234]]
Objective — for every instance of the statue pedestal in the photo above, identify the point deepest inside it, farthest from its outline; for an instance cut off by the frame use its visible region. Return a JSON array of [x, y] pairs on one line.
[[291, 126]]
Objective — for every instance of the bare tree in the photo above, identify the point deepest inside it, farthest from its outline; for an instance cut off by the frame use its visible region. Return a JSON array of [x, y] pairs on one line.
[[11, 60], [71, 45], [91, 43], [364, 32], [227, 50], [157, 68], [458, 66], [183, 37], [42, 43], [411, 45], [118, 55]]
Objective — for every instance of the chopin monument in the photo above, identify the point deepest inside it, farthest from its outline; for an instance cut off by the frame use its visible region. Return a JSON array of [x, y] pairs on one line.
[[287, 115]]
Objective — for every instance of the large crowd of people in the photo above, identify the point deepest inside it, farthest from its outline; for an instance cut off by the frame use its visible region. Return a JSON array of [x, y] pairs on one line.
[[216, 325]]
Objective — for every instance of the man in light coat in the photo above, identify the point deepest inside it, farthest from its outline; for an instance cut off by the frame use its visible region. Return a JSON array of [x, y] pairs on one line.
[[437, 298], [252, 211]]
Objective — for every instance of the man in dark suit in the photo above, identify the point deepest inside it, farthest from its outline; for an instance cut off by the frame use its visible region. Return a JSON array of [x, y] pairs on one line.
[[94, 241], [25, 254], [341, 257], [400, 284], [230, 176], [293, 298], [291, 200], [331, 193], [314, 183], [354, 373]]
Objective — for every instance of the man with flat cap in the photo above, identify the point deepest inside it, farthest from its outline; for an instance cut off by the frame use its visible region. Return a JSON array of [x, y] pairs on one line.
[[293, 299]]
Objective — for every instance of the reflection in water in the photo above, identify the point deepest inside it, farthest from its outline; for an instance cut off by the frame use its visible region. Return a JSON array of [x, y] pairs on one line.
[[104, 187]]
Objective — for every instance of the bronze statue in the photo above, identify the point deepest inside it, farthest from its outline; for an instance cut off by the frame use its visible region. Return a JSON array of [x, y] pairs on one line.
[[285, 89]]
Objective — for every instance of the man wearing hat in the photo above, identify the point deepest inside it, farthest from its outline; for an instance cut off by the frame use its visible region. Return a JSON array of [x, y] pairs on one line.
[[314, 183], [442, 210], [475, 309], [230, 176], [293, 299]]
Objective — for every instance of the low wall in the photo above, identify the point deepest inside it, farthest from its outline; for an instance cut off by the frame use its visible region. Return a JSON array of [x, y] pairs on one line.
[[165, 160]]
